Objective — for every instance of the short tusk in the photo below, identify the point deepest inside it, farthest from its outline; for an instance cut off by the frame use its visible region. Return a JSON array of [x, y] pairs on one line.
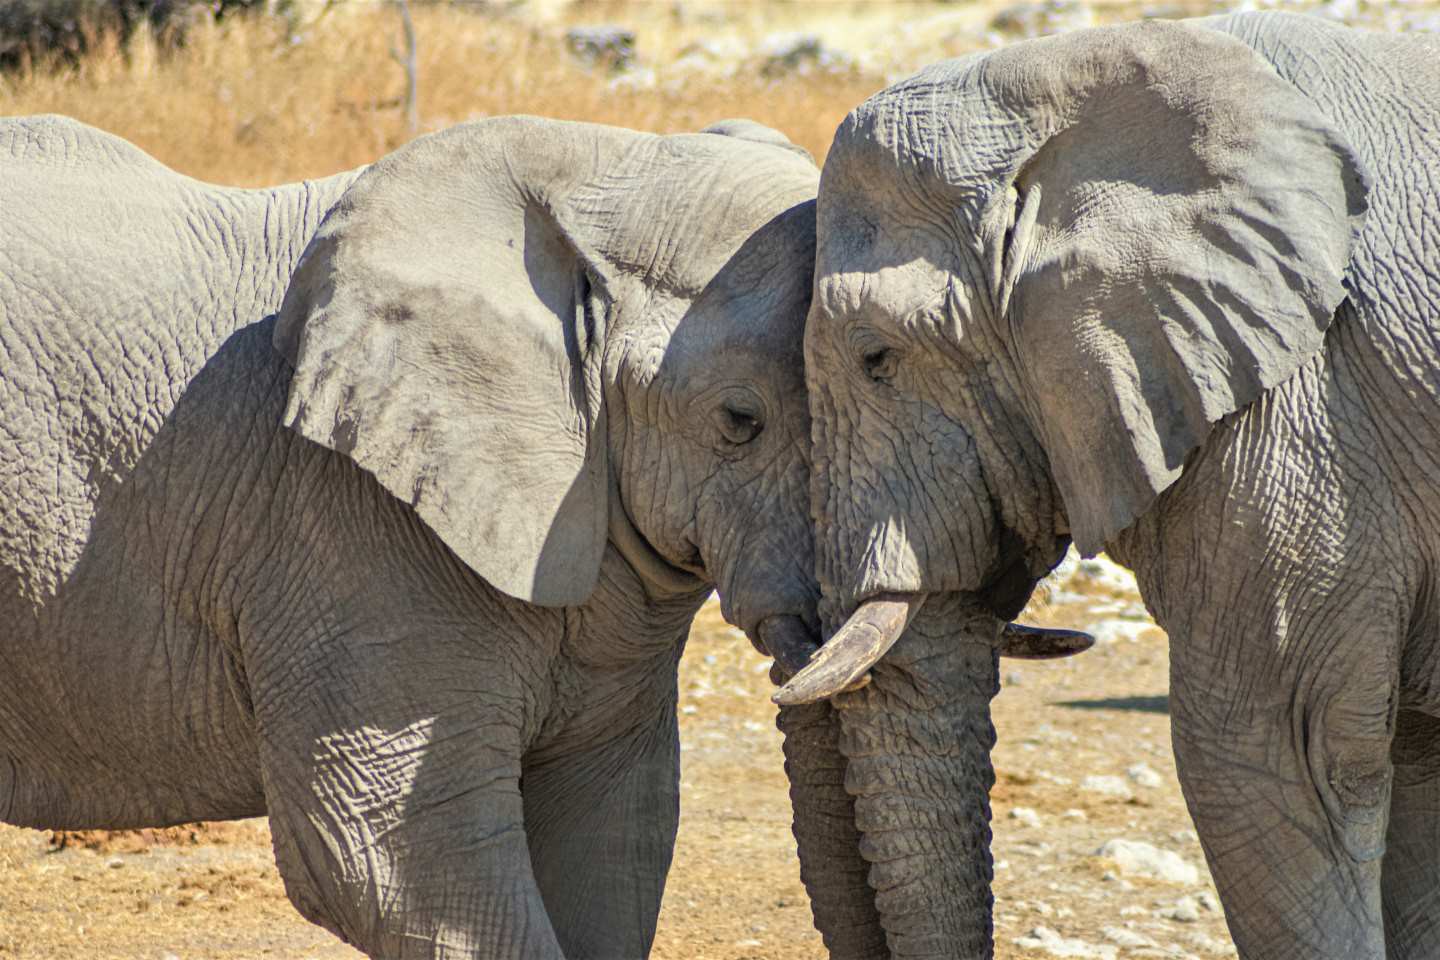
[[846, 658], [1042, 643], [789, 641]]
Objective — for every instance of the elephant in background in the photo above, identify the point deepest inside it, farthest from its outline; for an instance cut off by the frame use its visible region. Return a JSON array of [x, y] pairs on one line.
[[1172, 290], [543, 388]]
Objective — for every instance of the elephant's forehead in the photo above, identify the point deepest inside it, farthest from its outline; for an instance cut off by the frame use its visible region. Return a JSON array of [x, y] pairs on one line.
[[889, 292]]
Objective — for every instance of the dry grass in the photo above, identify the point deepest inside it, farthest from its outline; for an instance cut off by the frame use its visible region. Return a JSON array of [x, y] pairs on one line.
[[247, 102]]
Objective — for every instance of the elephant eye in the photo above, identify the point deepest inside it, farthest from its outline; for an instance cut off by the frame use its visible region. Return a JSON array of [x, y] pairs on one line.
[[880, 365], [738, 426]]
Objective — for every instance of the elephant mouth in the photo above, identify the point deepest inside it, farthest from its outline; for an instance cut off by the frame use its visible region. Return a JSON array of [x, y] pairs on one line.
[[843, 663]]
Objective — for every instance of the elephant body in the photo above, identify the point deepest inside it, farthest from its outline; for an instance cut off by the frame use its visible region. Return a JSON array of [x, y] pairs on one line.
[[207, 613], [1171, 290]]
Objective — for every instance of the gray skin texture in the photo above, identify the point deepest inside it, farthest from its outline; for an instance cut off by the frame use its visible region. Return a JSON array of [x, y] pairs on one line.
[[1173, 290], [402, 551]]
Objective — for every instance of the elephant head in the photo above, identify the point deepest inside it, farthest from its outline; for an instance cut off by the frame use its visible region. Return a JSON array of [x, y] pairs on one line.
[[1043, 274], [547, 336]]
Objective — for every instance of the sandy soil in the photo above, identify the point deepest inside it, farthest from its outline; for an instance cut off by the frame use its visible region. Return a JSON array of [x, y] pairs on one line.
[[212, 891]]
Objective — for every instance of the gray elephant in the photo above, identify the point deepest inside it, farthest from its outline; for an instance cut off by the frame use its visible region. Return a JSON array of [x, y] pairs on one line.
[[1171, 290], [545, 388]]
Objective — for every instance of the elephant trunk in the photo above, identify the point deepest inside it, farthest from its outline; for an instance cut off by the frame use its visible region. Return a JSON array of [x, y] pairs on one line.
[[833, 871], [831, 867], [917, 739]]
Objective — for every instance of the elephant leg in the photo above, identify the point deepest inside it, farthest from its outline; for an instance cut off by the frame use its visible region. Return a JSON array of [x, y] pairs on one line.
[[1411, 868], [602, 806], [392, 776], [1283, 750]]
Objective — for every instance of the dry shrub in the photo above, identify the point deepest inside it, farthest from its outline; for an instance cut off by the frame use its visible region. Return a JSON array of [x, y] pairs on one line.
[[258, 100]]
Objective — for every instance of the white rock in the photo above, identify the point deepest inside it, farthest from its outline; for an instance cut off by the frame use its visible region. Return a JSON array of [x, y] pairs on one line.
[[1207, 900], [1014, 679], [1128, 939], [1139, 859], [1074, 814], [1141, 774], [1026, 816], [1184, 910], [1209, 945], [1107, 786], [1047, 940]]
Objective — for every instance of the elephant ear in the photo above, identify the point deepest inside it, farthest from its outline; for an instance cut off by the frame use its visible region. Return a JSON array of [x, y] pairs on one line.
[[446, 335], [1178, 239]]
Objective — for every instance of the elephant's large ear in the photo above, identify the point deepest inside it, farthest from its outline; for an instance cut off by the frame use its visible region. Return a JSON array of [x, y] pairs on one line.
[[1178, 238], [446, 335]]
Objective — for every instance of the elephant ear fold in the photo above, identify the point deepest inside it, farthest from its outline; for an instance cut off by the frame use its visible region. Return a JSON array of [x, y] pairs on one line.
[[446, 336], [1178, 240]]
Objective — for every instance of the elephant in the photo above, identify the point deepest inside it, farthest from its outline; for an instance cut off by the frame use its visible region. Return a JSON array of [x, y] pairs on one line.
[[1170, 290], [381, 504]]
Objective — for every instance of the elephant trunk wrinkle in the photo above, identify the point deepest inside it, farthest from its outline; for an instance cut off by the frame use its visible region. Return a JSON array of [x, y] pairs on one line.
[[832, 868], [917, 743]]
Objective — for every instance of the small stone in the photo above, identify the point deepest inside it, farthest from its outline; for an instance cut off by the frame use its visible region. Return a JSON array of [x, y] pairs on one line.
[[1208, 945], [1074, 814], [1126, 938], [1184, 910], [1026, 816], [115, 863], [1047, 940], [1139, 859], [1014, 679], [1107, 786], [1207, 900], [1142, 775]]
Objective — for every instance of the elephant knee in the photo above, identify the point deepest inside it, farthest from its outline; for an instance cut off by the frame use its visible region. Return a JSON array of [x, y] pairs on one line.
[[1350, 760]]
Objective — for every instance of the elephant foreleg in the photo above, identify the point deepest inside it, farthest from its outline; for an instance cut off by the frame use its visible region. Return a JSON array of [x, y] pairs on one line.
[[1284, 757], [1411, 868], [602, 808], [393, 784]]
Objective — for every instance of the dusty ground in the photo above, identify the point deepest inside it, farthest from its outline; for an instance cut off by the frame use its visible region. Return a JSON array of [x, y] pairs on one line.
[[212, 891]]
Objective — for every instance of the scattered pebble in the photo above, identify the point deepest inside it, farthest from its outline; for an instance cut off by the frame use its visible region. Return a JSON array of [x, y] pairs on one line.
[[1139, 859], [1107, 786], [1126, 938], [1026, 816], [1048, 941], [1142, 775], [1184, 910]]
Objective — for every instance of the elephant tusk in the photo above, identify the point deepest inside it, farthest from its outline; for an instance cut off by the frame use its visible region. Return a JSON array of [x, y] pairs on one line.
[[844, 662], [1042, 643], [789, 641]]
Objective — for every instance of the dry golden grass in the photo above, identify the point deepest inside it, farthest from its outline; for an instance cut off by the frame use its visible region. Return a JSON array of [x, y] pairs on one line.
[[244, 103]]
